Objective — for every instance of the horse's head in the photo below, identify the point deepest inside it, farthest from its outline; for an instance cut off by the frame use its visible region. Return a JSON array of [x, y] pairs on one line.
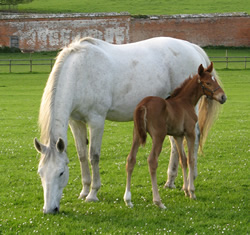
[[209, 84], [54, 173]]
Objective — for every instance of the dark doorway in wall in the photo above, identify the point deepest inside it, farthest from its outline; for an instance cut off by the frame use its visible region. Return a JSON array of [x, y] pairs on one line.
[[14, 41]]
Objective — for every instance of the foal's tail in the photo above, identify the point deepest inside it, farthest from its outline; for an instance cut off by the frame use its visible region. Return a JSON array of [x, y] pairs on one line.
[[140, 124]]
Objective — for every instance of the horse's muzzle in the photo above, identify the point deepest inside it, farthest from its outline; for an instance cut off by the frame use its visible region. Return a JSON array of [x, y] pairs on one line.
[[54, 211]]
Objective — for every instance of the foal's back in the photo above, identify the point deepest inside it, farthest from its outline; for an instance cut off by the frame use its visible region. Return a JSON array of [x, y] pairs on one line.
[[166, 117]]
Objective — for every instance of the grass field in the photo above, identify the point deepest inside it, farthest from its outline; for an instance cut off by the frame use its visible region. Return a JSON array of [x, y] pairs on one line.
[[136, 7], [213, 52], [222, 187]]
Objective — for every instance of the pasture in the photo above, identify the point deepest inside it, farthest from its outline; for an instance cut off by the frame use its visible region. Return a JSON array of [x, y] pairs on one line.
[[222, 186], [138, 7]]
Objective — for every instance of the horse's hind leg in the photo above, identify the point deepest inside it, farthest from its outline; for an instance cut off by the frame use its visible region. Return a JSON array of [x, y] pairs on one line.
[[173, 165], [131, 160], [79, 131], [196, 148], [153, 164], [96, 127], [191, 163]]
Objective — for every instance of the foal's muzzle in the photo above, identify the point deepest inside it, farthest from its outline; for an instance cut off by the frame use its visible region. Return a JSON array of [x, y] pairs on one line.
[[223, 99]]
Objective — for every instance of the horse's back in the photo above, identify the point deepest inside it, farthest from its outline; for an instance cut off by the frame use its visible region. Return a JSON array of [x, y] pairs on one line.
[[118, 76]]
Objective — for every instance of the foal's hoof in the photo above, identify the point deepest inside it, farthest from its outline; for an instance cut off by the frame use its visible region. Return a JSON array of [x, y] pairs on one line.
[[169, 185]]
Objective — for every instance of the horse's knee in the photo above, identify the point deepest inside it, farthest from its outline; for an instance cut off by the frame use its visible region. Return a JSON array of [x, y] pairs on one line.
[[94, 158], [83, 157]]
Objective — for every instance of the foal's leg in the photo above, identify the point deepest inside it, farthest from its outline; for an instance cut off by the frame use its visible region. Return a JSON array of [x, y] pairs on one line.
[[96, 126], [173, 165], [153, 164], [79, 131], [131, 160], [183, 162], [190, 142]]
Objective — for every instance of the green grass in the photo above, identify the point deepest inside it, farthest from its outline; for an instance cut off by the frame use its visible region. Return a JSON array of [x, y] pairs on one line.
[[138, 7], [222, 187]]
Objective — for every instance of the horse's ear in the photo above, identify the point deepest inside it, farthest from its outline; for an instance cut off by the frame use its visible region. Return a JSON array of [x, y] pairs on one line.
[[60, 146], [210, 67], [200, 70], [39, 147]]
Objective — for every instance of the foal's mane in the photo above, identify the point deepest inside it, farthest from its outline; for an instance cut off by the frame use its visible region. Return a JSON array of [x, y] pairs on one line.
[[47, 104], [178, 90]]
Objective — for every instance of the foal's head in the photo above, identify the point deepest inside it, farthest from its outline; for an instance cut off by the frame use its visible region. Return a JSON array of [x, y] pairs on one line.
[[209, 84]]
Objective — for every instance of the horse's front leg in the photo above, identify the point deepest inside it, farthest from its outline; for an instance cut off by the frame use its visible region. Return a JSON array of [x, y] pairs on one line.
[[79, 132], [183, 162], [96, 126], [173, 165], [196, 148]]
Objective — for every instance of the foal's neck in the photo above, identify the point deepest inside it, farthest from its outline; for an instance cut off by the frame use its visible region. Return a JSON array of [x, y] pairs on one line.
[[191, 92]]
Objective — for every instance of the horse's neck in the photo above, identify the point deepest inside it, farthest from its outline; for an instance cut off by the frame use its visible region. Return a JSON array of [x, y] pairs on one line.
[[60, 111]]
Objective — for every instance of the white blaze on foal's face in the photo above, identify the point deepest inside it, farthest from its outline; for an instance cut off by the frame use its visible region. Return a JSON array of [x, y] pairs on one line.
[[54, 173]]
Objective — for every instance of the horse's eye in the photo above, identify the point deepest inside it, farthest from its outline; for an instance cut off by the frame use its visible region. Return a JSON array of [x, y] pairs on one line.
[[208, 83], [61, 173]]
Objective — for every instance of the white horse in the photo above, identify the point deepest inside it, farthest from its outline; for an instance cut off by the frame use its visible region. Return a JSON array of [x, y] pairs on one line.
[[93, 80]]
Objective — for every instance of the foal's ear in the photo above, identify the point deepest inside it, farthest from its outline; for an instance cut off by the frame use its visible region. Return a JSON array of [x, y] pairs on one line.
[[200, 70], [39, 147], [60, 146], [210, 67]]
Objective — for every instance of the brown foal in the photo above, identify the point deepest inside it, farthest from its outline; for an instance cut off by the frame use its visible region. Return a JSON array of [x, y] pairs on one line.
[[174, 116]]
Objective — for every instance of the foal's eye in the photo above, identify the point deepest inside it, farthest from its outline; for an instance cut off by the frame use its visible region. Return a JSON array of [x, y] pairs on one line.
[[208, 83], [61, 173]]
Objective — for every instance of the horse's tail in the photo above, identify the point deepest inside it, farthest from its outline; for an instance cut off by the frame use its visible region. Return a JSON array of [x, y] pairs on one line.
[[140, 124], [208, 109]]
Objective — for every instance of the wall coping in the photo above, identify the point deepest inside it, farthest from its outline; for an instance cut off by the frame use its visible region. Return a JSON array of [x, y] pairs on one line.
[[15, 16]]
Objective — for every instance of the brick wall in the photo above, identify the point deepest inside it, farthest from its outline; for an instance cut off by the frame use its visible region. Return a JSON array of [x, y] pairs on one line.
[[46, 32]]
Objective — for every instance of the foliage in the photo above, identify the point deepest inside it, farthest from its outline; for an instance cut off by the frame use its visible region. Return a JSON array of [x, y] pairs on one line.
[[5, 49], [14, 2], [222, 187]]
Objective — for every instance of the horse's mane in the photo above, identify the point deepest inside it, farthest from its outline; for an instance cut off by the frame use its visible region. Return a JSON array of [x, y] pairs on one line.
[[178, 90], [46, 109]]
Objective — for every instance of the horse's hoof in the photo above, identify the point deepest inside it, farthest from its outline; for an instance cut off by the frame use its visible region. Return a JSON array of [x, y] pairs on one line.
[[186, 193], [91, 199], [160, 205], [82, 196], [192, 195], [169, 185]]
